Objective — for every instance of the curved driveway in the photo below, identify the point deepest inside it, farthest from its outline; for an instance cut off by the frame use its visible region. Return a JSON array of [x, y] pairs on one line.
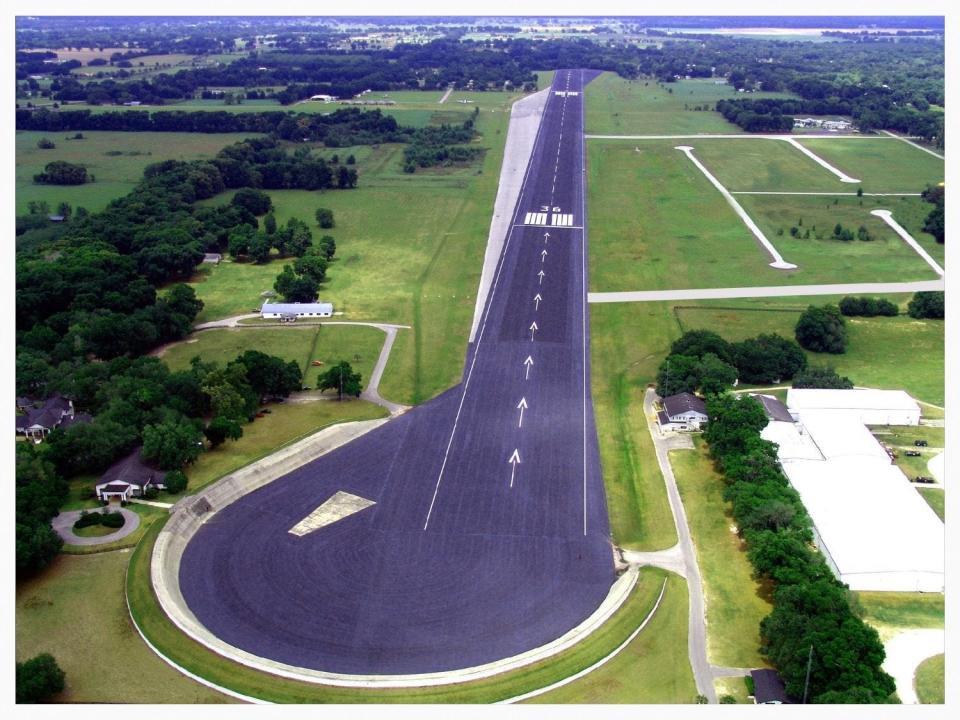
[[63, 525]]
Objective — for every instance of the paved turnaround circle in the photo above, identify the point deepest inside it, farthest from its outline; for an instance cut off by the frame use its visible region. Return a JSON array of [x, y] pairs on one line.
[[469, 529]]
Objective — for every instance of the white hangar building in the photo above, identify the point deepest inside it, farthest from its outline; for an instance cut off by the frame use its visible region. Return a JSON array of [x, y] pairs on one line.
[[874, 529], [292, 311]]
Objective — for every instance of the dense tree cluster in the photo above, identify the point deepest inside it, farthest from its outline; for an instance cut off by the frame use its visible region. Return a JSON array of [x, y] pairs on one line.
[[822, 329], [701, 360], [927, 304], [867, 307], [433, 145], [40, 491], [61, 172], [821, 377], [811, 607], [934, 222], [39, 679]]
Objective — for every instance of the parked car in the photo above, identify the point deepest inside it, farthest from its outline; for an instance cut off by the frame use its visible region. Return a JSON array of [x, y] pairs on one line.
[[266, 411], [923, 479], [912, 453], [920, 443]]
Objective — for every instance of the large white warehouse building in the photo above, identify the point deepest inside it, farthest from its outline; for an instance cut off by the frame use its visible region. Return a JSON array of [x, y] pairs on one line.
[[874, 529]]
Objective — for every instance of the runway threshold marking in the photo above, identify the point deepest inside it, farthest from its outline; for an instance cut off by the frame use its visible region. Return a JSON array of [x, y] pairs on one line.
[[336, 507]]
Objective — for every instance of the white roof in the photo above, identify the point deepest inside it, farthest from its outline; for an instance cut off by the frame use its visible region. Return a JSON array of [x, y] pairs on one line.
[[869, 517], [297, 308], [801, 400], [838, 437], [793, 443]]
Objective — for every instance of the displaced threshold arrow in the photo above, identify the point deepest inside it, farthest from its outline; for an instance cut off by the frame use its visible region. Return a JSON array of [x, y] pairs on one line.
[[537, 299], [514, 461], [540, 275], [533, 329], [521, 406], [528, 362], [546, 236], [543, 255]]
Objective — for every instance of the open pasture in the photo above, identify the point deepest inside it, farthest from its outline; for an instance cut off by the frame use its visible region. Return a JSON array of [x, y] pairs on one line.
[[884, 164], [616, 106]]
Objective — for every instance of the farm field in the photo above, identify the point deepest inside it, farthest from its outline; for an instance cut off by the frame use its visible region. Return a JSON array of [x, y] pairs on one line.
[[328, 344], [884, 165], [75, 610], [409, 251], [116, 159], [735, 602], [657, 223], [616, 106]]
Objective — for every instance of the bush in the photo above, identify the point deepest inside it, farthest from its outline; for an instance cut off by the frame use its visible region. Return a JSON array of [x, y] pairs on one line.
[[822, 329], [87, 520], [46, 144], [39, 679], [112, 520], [927, 305], [151, 493], [175, 481], [867, 307]]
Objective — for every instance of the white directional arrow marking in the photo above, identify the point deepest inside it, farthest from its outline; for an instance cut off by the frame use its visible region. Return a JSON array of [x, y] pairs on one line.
[[543, 255], [546, 236], [537, 299], [521, 406], [528, 362], [533, 329], [540, 275], [514, 461]]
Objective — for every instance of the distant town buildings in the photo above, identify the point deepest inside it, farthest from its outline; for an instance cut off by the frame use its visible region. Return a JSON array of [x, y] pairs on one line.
[[829, 125]]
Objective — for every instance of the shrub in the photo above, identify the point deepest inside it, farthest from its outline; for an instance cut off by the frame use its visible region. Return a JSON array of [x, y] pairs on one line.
[[867, 307], [38, 679], [927, 305], [175, 481], [45, 144], [112, 520], [87, 520]]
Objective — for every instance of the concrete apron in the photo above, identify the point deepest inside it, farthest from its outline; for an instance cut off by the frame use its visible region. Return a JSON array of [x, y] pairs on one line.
[[189, 515]]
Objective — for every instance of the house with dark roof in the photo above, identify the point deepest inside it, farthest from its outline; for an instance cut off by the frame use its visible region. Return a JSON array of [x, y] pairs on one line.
[[36, 420], [768, 688], [775, 410], [682, 412], [129, 477]]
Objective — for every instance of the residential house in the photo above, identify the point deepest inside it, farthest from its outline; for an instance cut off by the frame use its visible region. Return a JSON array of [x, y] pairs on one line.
[[683, 412], [129, 477], [36, 420]]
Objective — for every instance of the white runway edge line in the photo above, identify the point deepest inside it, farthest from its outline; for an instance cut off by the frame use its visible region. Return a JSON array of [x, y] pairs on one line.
[[820, 161], [887, 217], [829, 194], [600, 663], [745, 136], [778, 261], [765, 291], [583, 300]]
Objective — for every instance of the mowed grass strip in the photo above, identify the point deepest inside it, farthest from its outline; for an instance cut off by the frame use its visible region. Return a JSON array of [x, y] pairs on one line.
[[735, 602], [116, 174], [234, 288], [883, 164], [911, 213], [285, 424], [929, 680], [617, 106], [75, 610], [198, 659], [654, 668], [901, 610], [627, 342]]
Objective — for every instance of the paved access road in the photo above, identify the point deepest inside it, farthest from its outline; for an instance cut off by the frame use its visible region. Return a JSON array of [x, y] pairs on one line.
[[489, 532]]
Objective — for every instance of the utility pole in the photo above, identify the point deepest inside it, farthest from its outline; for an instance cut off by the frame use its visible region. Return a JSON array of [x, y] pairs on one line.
[[806, 684]]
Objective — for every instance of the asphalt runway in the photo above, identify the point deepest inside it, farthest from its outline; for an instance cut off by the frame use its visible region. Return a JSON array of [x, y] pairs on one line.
[[466, 557]]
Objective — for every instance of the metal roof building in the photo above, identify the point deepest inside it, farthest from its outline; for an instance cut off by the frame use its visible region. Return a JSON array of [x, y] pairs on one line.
[[296, 310]]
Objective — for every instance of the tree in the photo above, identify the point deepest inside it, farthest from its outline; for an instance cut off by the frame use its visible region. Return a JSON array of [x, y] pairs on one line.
[[60, 172], [328, 246], [182, 299], [340, 377], [927, 304], [314, 266], [259, 246], [270, 223], [256, 201], [767, 358], [175, 482], [46, 144], [351, 160], [295, 239], [324, 218], [678, 374], [173, 442], [715, 374], [269, 375], [39, 679], [346, 178], [220, 429], [296, 288], [822, 329], [699, 342], [821, 377], [39, 493], [64, 210]]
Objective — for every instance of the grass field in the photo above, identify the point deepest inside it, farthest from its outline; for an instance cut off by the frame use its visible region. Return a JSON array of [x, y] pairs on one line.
[[75, 610], [735, 687], [115, 175], [735, 602], [769, 165], [654, 668], [911, 212], [286, 423], [890, 353], [936, 499], [409, 249], [616, 106], [929, 681], [672, 683], [657, 223], [885, 165], [892, 611], [627, 343], [234, 288]]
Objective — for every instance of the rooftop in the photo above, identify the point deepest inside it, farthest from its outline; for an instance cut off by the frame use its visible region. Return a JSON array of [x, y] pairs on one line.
[[774, 409], [801, 400], [297, 308], [682, 403]]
